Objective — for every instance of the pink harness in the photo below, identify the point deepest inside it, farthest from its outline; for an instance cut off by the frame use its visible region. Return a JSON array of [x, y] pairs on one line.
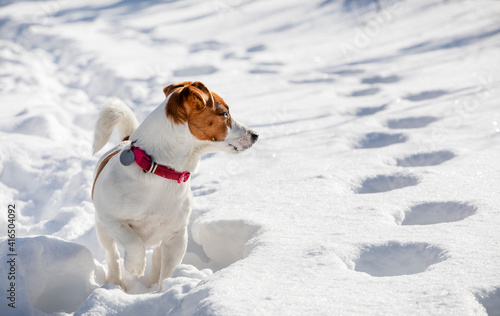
[[147, 164]]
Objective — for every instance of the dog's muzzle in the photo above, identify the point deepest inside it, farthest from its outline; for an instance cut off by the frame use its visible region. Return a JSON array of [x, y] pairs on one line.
[[240, 137]]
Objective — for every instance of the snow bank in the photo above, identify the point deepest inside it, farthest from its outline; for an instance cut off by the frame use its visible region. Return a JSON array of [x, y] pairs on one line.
[[182, 295], [51, 275]]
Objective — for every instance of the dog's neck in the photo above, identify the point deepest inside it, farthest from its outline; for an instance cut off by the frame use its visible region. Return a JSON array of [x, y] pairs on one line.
[[168, 143]]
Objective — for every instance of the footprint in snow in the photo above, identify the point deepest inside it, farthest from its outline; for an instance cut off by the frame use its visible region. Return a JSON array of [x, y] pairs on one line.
[[269, 67], [490, 301], [411, 122], [385, 183], [377, 140], [365, 92], [426, 95], [313, 80], [433, 158], [341, 72], [262, 71], [202, 191], [370, 110], [438, 212], [206, 45], [195, 71], [393, 258], [271, 63], [381, 79], [220, 243], [256, 48]]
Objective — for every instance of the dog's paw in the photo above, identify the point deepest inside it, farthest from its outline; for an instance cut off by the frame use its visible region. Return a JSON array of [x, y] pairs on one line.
[[135, 263]]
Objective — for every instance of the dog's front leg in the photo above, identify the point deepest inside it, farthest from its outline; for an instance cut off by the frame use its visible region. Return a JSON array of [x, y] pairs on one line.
[[134, 260], [172, 252], [112, 254], [156, 265]]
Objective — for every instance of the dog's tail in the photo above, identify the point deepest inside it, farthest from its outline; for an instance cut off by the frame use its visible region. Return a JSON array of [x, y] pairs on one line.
[[114, 113]]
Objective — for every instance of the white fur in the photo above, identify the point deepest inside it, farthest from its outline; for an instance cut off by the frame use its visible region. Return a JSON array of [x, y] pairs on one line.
[[137, 210]]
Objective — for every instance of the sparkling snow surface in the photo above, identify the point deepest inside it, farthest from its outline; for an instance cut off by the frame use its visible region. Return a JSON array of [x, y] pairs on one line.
[[373, 189]]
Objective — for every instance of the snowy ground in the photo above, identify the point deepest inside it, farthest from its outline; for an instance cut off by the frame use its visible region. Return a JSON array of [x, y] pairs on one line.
[[373, 189]]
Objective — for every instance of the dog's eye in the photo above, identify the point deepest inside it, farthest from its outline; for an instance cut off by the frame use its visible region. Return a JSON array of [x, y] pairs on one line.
[[214, 139], [225, 114]]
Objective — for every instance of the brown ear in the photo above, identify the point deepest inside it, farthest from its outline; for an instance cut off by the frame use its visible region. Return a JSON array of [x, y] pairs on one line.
[[193, 98], [170, 88], [175, 106], [183, 101], [207, 95]]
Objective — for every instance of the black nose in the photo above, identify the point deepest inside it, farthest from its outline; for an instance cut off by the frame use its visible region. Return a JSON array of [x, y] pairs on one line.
[[255, 136]]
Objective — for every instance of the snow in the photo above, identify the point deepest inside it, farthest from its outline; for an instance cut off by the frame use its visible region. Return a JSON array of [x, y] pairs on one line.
[[373, 188], [53, 275]]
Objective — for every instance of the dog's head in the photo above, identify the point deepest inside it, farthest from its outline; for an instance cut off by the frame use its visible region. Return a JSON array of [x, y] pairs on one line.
[[207, 116]]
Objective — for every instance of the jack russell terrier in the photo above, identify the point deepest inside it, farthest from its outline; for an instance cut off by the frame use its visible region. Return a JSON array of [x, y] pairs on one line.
[[141, 188]]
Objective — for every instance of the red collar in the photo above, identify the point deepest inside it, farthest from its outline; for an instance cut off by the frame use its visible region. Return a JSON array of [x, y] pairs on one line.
[[147, 164]]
